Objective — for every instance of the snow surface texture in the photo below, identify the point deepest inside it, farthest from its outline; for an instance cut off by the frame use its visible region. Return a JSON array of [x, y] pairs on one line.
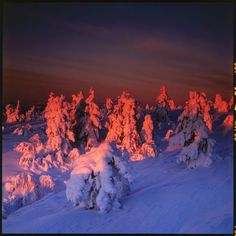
[[98, 180]]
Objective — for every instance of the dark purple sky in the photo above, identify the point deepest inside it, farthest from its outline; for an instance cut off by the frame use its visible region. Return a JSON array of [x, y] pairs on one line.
[[138, 47]]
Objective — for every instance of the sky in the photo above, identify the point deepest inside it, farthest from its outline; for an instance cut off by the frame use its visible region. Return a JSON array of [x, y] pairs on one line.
[[137, 47]]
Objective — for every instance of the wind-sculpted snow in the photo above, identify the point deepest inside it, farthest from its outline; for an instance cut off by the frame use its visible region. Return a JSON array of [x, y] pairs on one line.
[[98, 180]]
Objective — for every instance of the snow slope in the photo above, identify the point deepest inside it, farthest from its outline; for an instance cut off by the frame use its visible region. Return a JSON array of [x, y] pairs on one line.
[[165, 198]]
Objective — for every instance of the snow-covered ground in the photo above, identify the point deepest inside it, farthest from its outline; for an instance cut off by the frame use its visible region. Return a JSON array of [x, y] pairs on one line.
[[165, 197]]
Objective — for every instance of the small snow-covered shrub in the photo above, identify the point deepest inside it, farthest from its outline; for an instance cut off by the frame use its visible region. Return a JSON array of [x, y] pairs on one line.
[[46, 182], [21, 190], [24, 189], [99, 179], [32, 155], [12, 115]]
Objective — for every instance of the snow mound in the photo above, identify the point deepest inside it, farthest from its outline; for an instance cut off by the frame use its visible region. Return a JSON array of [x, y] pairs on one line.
[[99, 180]]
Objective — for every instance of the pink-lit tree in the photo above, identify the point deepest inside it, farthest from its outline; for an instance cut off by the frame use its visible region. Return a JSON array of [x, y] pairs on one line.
[[219, 104], [148, 147], [122, 125], [88, 118], [12, 115], [192, 133], [59, 130]]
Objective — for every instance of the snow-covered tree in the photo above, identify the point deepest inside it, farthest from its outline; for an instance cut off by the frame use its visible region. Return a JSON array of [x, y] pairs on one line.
[[164, 99], [148, 147], [198, 104], [99, 180], [89, 115], [192, 134], [219, 104], [24, 189], [12, 115], [122, 127], [164, 105], [59, 130]]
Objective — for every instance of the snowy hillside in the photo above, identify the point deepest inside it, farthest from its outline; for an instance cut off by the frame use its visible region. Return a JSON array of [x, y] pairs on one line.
[[60, 176], [164, 198]]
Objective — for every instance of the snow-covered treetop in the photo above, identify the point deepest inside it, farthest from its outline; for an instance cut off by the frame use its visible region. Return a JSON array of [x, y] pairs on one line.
[[220, 105], [147, 129], [58, 122], [164, 99], [93, 110], [197, 105], [12, 114]]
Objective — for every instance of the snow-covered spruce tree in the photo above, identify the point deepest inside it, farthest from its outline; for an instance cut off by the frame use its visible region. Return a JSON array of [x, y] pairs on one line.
[[163, 107], [219, 104], [148, 147], [12, 115], [59, 130], [192, 135], [122, 127], [99, 180], [199, 101], [89, 115]]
